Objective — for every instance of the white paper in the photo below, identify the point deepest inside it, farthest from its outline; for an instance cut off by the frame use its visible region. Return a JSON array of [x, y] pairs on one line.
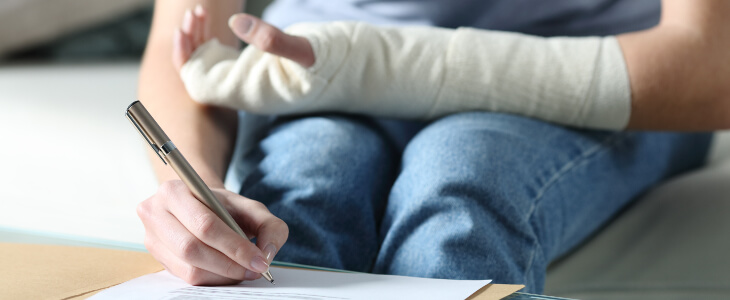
[[296, 284]]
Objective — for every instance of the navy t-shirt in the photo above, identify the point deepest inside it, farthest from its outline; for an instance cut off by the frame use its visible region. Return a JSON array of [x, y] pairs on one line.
[[537, 17]]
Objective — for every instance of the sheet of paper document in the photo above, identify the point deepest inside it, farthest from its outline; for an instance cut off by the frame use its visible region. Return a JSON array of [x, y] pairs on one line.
[[296, 284]]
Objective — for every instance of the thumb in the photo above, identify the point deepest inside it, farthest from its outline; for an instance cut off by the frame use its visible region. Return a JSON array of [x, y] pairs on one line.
[[268, 38]]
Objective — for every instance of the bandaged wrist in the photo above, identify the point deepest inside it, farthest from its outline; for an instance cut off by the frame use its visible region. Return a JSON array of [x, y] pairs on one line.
[[422, 73]]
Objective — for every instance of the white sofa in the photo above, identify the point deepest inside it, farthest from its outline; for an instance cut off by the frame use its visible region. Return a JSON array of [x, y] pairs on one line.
[[73, 167]]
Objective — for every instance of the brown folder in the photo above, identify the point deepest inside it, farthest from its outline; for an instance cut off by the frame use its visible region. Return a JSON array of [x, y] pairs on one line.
[[65, 272]]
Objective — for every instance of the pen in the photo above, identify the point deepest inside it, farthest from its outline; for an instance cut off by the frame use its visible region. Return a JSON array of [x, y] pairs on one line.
[[169, 154]]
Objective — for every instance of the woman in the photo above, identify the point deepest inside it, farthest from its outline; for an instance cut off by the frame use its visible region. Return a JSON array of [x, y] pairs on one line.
[[470, 195]]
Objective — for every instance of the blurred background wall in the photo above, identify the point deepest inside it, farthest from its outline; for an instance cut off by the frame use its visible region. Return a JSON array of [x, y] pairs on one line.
[[78, 30]]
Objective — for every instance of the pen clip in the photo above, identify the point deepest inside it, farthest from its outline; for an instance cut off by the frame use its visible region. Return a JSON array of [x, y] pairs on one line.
[[146, 138]]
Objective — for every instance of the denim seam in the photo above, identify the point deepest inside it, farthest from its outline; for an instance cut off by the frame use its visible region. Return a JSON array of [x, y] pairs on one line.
[[609, 141]]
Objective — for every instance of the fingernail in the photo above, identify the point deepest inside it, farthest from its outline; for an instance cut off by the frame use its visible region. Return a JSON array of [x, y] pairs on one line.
[[270, 252], [199, 10], [242, 23], [259, 265], [250, 275], [187, 20]]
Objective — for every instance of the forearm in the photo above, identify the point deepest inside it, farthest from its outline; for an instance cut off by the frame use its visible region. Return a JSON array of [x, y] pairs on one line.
[[204, 134], [680, 70], [672, 77], [422, 73]]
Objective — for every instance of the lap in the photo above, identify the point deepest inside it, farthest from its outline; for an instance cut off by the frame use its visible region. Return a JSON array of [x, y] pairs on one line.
[[470, 192]]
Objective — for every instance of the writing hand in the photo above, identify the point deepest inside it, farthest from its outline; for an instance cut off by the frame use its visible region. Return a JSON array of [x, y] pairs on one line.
[[197, 246]]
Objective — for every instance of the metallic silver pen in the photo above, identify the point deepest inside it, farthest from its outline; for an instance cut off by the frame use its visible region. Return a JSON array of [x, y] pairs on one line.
[[169, 154]]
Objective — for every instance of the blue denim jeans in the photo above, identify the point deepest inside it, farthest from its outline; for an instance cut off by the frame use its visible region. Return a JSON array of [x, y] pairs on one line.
[[471, 196]]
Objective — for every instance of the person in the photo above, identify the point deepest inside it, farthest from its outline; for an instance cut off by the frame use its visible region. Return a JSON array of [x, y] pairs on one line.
[[470, 195]]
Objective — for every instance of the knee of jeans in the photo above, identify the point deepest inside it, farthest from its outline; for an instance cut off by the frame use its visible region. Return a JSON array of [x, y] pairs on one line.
[[341, 141], [477, 147], [473, 171], [480, 157]]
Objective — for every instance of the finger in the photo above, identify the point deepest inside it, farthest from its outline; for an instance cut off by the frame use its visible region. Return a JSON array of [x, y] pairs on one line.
[[185, 271], [271, 232], [191, 25], [188, 23], [149, 213], [182, 48], [268, 38], [201, 16], [195, 30], [191, 250], [211, 230]]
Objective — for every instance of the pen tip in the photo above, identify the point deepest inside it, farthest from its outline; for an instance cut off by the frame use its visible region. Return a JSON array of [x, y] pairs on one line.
[[272, 282], [268, 276]]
